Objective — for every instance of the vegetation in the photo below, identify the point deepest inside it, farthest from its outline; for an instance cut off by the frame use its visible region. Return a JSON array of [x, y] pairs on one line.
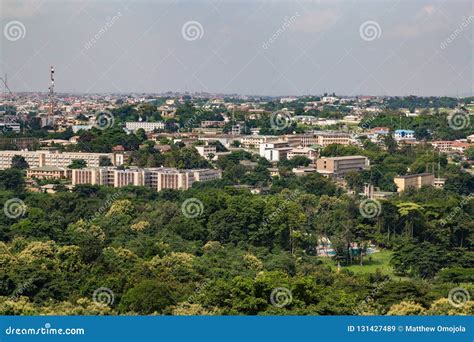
[[155, 260]]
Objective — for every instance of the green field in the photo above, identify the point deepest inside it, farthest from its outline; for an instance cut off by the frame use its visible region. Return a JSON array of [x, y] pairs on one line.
[[371, 263]]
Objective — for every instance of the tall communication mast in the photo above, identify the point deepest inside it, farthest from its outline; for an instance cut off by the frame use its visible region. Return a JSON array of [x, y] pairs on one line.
[[51, 93]]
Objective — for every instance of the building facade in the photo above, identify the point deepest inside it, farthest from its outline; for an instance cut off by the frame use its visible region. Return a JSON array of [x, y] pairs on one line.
[[37, 159], [154, 178], [339, 166], [145, 125], [403, 183]]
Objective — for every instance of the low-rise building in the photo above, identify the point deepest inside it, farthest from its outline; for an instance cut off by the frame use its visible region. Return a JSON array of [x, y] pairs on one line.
[[206, 150], [275, 151], [307, 152], [416, 181], [154, 178], [254, 141], [145, 125], [48, 172], [404, 135], [339, 166], [37, 159], [329, 138], [303, 171]]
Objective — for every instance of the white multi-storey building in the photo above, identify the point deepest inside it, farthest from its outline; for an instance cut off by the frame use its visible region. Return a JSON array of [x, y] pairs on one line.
[[147, 126], [206, 150], [155, 178], [56, 159]]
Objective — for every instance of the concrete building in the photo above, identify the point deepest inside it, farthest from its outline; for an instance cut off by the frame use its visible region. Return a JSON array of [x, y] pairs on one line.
[[413, 181], [254, 141], [206, 150], [154, 178], [307, 152], [329, 138], [404, 135], [147, 126], [37, 159], [303, 171], [338, 166], [48, 172], [274, 151]]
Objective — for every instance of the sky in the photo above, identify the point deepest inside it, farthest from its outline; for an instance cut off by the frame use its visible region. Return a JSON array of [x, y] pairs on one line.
[[277, 48]]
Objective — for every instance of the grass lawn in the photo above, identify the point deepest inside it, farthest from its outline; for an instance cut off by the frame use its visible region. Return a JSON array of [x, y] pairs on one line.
[[371, 263]]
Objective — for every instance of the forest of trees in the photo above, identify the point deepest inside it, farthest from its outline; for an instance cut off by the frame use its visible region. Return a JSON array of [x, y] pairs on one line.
[[154, 259]]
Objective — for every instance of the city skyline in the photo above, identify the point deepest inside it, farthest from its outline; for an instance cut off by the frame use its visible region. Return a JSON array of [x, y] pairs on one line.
[[257, 49]]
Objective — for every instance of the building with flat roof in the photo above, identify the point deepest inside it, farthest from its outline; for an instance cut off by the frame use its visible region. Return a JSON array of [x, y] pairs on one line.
[[154, 178], [339, 166], [254, 141], [37, 159], [206, 150], [145, 125], [275, 151], [404, 135], [48, 172], [307, 152], [416, 181]]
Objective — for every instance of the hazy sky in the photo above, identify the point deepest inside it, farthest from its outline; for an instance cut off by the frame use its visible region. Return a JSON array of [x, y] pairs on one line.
[[246, 47]]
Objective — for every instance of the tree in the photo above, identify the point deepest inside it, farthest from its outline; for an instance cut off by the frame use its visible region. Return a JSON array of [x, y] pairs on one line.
[[141, 135], [149, 296], [19, 162], [77, 164]]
